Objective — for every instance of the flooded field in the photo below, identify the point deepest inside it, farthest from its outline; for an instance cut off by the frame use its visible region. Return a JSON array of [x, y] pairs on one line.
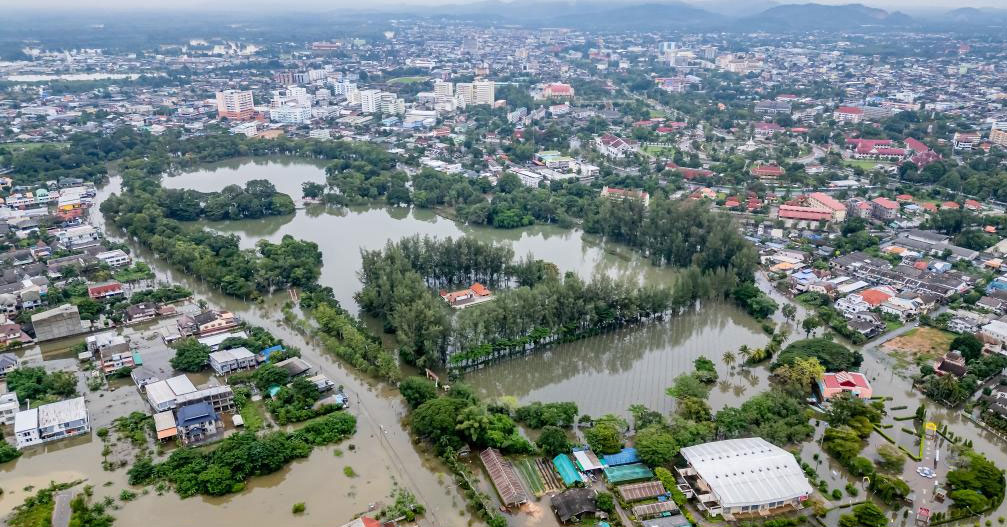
[[602, 374]]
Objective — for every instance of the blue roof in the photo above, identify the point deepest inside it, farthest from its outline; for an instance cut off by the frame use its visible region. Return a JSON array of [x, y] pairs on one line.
[[195, 413], [626, 457], [566, 469], [269, 351]]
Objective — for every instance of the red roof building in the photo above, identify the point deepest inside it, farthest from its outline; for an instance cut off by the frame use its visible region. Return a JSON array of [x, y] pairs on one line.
[[972, 204], [874, 297], [767, 171], [105, 290], [904, 198], [794, 212], [950, 205], [916, 145], [833, 384]]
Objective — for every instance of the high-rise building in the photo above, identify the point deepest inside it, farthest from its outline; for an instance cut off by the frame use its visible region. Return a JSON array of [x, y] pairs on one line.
[[998, 136], [483, 92], [465, 93], [443, 90], [235, 105], [370, 101]]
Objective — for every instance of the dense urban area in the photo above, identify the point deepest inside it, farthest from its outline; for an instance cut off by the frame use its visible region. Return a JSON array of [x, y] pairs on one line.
[[622, 265]]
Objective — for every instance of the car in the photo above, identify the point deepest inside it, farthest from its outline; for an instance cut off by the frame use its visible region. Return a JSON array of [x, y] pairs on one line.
[[926, 472]]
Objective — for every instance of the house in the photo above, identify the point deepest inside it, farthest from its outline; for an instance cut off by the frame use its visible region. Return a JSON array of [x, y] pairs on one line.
[[850, 305], [231, 360], [742, 478], [295, 366], [51, 422], [80, 237], [902, 308], [867, 323], [504, 478], [206, 323], [573, 505], [105, 290], [952, 362], [9, 407], [115, 258], [143, 376], [616, 147], [833, 384], [141, 312], [620, 194], [8, 363], [165, 426], [461, 299], [163, 395], [994, 334], [197, 422]]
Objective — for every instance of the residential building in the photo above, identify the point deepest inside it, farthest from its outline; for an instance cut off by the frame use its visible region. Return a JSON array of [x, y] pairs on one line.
[[884, 209], [206, 323], [742, 478], [965, 140], [141, 312], [620, 194], [51, 422], [848, 114], [951, 363], [56, 323], [794, 212], [164, 425], [850, 305], [773, 107], [612, 146], [483, 92], [290, 115], [9, 407], [573, 505], [115, 258], [370, 101], [8, 363], [231, 360], [994, 334], [998, 137], [197, 422], [236, 105], [833, 384], [902, 308], [110, 289], [111, 350], [79, 237]]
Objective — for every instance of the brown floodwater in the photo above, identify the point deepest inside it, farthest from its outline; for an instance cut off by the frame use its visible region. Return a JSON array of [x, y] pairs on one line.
[[603, 374]]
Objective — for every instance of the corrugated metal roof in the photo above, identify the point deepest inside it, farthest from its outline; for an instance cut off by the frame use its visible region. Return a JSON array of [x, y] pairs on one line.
[[623, 473], [504, 477], [626, 457], [748, 471], [566, 469], [654, 509], [642, 491]]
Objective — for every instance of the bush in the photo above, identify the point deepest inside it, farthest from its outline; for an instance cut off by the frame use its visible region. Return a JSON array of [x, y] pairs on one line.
[[298, 508]]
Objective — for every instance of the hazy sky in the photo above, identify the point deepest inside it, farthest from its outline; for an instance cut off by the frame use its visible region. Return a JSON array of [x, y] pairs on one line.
[[305, 5]]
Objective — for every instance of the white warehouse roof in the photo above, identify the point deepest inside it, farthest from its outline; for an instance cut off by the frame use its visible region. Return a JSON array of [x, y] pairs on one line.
[[748, 471]]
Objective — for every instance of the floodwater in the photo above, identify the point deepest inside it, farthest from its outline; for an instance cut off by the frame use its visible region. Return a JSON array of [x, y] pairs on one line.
[[602, 374]]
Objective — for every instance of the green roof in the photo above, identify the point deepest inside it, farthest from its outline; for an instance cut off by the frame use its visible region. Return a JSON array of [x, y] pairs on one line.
[[566, 469], [623, 473]]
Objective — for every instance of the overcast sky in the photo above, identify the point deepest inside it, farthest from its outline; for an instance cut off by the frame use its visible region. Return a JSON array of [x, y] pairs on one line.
[[306, 5]]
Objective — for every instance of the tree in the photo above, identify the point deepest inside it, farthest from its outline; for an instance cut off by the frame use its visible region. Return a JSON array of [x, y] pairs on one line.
[[969, 499], [810, 324], [8, 452], [190, 355], [655, 445], [553, 441], [417, 390], [970, 347], [799, 376], [644, 417], [789, 311], [686, 385], [435, 420], [269, 375], [890, 459], [729, 358], [605, 436], [831, 355], [605, 502], [870, 515]]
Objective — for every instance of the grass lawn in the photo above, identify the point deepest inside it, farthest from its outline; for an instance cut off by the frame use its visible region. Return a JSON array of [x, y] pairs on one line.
[[891, 325], [529, 473], [253, 413], [865, 164], [659, 151], [919, 346], [18, 147], [407, 80], [657, 114]]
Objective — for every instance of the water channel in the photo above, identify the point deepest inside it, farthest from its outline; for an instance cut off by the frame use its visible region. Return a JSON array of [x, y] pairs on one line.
[[604, 374]]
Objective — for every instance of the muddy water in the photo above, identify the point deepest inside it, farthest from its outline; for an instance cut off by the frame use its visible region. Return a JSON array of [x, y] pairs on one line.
[[603, 374]]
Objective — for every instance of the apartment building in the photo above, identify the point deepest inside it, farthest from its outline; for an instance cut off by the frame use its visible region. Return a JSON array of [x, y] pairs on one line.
[[51, 422], [236, 105]]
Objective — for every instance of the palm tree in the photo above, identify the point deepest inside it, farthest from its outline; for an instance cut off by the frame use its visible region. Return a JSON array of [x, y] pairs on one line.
[[744, 352], [729, 358]]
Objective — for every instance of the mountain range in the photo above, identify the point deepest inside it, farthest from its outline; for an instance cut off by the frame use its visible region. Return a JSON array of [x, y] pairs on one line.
[[727, 15]]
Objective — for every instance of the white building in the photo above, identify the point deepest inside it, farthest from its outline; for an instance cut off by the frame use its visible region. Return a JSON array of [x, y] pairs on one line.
[[994, 333], [743, 477], [9, 407], [114, 258], [852, 304], [77, 237], [51, 422], [162, 395], [370, 101], [290, 115], [231, 360]]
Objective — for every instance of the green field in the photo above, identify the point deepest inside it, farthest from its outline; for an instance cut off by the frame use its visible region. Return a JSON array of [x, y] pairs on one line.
[[529, 474], [659, 151], [18, 147], [865, 164], [407, 80]]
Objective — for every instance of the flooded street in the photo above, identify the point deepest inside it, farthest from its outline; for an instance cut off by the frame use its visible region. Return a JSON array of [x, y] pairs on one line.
[[604, 374]]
